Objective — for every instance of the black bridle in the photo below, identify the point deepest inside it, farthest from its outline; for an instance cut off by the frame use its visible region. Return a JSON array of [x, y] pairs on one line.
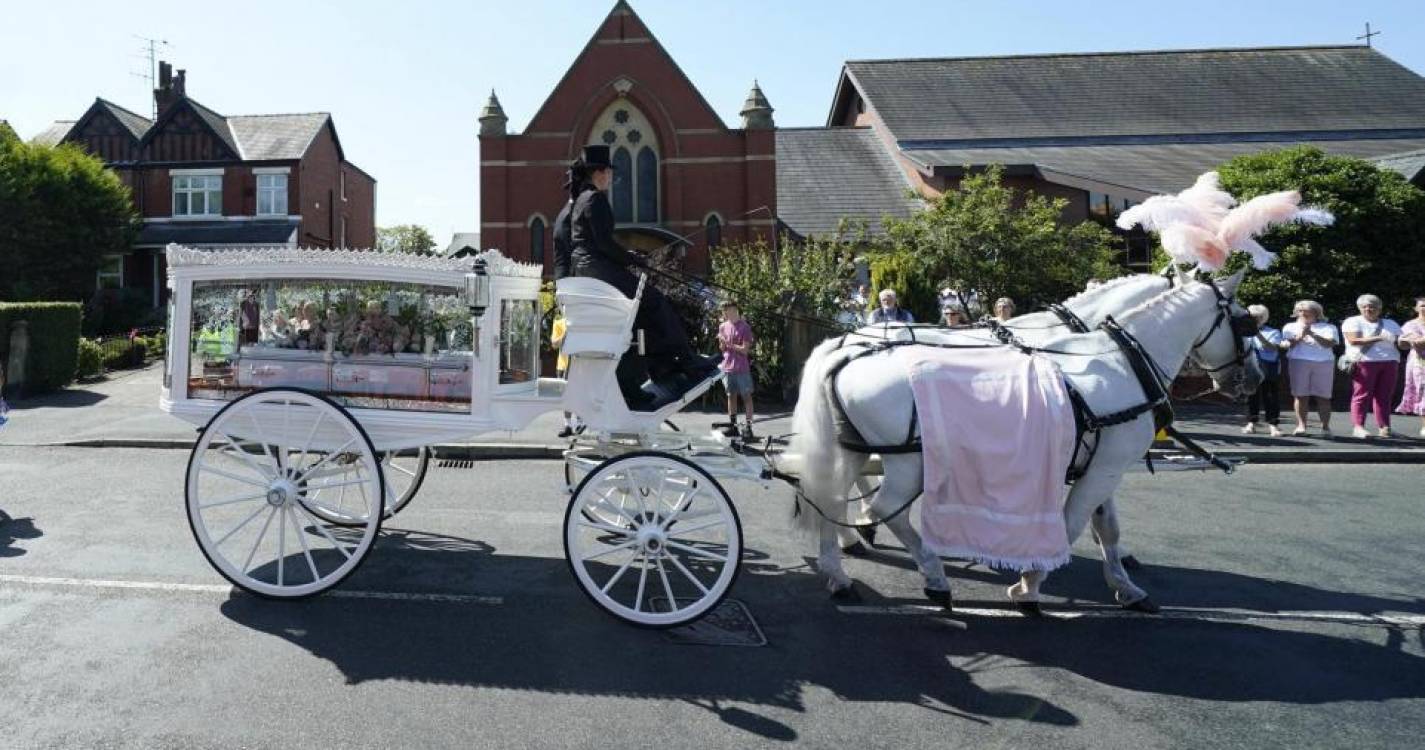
[[1243, 327]]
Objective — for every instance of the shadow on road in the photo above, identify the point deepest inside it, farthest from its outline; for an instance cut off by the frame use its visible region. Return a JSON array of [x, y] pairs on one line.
[[66, 399], [12, 529], [547, 637]]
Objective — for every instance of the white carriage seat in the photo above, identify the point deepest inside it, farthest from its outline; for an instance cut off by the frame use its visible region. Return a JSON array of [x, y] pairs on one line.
[[598, 318]]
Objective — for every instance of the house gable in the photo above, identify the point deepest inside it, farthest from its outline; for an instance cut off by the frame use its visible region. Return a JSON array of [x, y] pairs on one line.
[[108, 131], [188, 131]]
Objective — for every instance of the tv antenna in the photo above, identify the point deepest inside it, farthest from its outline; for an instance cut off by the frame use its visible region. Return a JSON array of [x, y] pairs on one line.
[[149, 50]]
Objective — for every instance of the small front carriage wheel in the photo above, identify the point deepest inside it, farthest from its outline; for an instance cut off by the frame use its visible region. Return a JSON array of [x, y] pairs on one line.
[[260, 480], [404, 472], [675, 551]]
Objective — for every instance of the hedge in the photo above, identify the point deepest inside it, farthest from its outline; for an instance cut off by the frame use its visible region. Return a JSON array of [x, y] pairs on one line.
[[54, 341]]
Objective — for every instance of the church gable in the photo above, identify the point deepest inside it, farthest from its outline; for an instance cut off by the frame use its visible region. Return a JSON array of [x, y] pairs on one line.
[[189, 132], [623, 59]]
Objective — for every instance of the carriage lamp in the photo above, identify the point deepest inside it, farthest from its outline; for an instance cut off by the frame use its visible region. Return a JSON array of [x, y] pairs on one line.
[[477, 298], [477, 288]]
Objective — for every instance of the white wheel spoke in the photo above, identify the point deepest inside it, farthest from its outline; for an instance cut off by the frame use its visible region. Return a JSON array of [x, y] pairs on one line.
[[642, 580], [605, 527], [329, 456], [281, 545], [306, 551], [694, 551], [667, 589], [306, 444], [682, 507], [231, 500], [688, 574], [334, 485], [318, 523], [234, 530], [604, 501], [407, 472], [235, 449], [619, 573], [233, 476], [611, 550], [696, 529], [261, 438], [247, 564]]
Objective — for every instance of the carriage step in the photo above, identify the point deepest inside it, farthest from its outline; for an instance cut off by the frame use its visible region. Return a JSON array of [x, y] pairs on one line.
[[729, 624]]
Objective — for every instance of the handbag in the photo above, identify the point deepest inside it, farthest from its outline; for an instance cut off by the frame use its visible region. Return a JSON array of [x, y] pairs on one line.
[[1354, 354]]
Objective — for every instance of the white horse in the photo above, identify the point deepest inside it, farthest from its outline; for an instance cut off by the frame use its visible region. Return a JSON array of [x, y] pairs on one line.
[[1175, 325], [1091, 307]]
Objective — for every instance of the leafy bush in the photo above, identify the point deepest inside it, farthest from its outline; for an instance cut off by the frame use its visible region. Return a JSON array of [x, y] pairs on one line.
[[91, 360], [116, 311], [1375, 245], [792, 292], [53, 348], [914, 290]]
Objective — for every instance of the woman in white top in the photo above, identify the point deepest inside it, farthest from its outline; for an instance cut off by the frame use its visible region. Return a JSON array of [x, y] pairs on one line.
[[1310, 344], [1373, 377]]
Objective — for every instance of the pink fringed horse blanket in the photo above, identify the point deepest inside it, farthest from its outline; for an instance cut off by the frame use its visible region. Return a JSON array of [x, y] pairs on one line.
[[997, 431]]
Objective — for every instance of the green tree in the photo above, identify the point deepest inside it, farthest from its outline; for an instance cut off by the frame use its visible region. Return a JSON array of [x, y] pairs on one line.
[[998, 241], [61, 212], [405, 238], [1375, 245]]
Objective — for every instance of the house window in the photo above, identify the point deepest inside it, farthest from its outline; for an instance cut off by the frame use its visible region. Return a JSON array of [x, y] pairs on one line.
[[111, 272], [272, 195], [197, 195], [343, 184], [714, 231], [647, 186], [536, 240], [342, 243], [633, 142]]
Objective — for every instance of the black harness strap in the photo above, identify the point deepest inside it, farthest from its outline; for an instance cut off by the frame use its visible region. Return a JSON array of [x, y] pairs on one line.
[[847, 436], [1070, 318]]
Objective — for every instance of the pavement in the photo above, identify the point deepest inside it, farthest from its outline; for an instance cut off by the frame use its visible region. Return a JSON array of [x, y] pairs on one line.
[[121, 410], [1289, 621]]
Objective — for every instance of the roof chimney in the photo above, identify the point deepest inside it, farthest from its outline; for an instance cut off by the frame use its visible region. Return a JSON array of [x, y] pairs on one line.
[[168, 89]]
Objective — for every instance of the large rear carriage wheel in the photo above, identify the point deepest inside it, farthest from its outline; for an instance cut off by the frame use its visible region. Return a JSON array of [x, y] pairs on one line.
[[259, 484], [674, 551]]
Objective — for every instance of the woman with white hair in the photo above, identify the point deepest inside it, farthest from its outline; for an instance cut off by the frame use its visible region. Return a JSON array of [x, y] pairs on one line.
[[1377, 364], [1310, 343], [1412, 338], [1265, 401]]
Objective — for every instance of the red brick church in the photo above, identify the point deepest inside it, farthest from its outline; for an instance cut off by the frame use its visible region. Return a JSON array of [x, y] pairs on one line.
[[903, 125]]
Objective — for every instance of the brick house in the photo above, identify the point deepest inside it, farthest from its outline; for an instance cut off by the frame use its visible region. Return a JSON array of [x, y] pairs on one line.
[[203, 179]]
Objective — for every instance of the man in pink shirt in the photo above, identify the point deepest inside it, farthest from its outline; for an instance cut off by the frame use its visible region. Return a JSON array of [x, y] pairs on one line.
[[734, 337]]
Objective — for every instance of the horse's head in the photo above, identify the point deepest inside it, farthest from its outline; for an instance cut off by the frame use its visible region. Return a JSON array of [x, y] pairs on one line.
[[1222, 350]]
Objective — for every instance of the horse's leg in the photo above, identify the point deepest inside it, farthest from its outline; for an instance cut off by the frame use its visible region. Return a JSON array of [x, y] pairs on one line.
[[900, 486], [828, 561], [852, 539], [1115, 572]]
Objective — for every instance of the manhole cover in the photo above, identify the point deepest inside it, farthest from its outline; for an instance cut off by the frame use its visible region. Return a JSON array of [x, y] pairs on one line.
[[729, 624]]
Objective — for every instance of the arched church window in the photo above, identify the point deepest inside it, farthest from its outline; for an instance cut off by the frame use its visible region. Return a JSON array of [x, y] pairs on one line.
[[714, 231], [623, 186], [536, 240], [647, 186], [633, 143]]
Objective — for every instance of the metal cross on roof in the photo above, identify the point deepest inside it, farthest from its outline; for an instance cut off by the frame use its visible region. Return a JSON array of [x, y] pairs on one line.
[[1367, 36]]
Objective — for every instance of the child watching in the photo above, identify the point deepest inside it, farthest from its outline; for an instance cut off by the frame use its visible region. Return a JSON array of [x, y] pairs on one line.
[[734, 337]]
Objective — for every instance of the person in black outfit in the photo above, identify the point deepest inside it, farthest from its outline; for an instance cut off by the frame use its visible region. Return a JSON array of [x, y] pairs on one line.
[[563, 242], [672, 364]]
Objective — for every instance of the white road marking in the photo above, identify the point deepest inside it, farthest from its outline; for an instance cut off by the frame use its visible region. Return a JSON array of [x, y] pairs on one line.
[[1384, 620], [208, 588]]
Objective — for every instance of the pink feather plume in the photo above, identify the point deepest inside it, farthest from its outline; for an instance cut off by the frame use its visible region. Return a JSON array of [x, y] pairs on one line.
[[1192, 244]]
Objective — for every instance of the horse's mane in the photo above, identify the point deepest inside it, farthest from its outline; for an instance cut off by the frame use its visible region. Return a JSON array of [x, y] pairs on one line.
[[1104, 288], [1159, 300]]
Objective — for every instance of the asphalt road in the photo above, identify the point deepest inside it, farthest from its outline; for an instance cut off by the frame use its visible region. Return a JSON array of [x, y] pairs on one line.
[[1292, 598]]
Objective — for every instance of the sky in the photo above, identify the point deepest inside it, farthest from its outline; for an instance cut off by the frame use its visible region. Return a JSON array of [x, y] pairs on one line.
[[404, 81]]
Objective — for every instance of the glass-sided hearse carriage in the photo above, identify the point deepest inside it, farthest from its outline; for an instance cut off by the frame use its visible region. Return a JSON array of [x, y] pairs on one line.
[[319, 378]]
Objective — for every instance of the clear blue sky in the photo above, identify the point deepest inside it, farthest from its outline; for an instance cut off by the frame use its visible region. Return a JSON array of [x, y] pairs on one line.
[[405, 80]]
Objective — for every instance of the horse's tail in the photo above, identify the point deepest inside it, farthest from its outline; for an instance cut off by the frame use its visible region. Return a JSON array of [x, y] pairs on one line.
[[824, 468]]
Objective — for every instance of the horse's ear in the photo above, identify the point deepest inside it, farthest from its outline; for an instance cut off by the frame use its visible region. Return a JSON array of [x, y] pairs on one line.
[[1183, 277], [1229, 285]]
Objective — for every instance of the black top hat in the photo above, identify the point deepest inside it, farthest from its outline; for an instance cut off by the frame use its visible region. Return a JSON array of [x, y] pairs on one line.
[[597, 157]]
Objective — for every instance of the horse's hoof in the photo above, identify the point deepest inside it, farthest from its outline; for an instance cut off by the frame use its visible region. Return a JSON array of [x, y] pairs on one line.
[[1131, 563], [1029, 609], [943, 598], [869, 534], [1145, 605], [846, 595], [855, 550]]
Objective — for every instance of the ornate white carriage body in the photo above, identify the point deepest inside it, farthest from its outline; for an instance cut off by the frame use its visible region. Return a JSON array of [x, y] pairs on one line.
[[319, 376]]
